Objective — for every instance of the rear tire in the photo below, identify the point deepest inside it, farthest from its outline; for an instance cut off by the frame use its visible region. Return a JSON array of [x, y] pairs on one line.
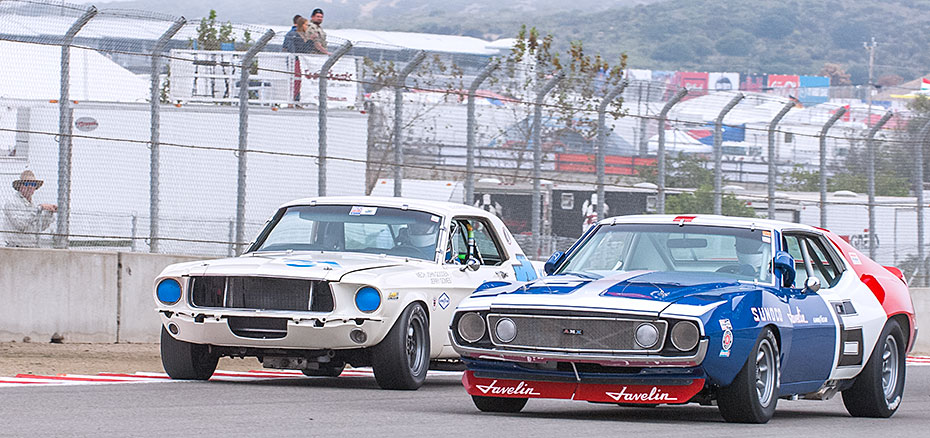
[[878, 389], [401, 360], [186, 361], [753, 394], [498, 404]]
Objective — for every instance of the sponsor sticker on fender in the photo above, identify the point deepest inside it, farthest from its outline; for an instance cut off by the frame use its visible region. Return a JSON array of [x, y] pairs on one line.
[[727, 340]]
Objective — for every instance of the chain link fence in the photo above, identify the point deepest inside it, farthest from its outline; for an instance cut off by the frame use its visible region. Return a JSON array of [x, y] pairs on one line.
[[156, 133]]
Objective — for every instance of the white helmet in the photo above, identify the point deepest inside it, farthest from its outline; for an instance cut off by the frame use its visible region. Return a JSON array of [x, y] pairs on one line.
[[422, 234], [750, 252]]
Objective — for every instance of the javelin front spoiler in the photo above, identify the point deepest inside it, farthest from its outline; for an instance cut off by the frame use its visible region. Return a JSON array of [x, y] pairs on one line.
[[592, 392]]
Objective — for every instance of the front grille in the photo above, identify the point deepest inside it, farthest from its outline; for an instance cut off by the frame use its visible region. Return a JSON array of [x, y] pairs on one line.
[[262, 293], [257, 328], [575, 334]]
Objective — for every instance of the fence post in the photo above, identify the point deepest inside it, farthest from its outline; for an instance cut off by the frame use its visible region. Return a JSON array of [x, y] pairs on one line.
[[660, 150], [718, 152], [602, 143], [771, 152], [245, 69], [155, 126], [322, 111], [64, 132], [823, 163], [399, 86], [537, 158], [919, 191], [470, 130], [870, 143]]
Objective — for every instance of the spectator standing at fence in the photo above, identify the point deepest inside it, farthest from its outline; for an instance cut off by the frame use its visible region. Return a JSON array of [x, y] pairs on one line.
[[23, 220], [296, 42], [289, 37], [315, 33]]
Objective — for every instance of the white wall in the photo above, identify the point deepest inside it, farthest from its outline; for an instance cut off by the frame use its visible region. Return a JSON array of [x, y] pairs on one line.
[[111, 184]]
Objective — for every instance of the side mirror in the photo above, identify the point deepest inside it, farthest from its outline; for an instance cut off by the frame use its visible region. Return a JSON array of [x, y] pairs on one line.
[[471, 264], [812, 284], [784, 264], [553, 262]]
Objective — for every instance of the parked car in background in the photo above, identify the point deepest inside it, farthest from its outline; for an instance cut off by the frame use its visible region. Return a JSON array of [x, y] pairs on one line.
[[647, 310], [336, 281]]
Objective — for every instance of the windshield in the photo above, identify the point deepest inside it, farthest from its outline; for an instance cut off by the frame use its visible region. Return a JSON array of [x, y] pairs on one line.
[[735, 252], [352, 228]]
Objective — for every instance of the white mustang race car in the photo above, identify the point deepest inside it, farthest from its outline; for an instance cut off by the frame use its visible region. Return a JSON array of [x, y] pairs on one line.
[[335, 281]]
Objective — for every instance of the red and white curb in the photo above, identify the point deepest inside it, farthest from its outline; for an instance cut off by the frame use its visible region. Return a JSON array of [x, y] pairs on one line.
[[227, 376], [148, 377]]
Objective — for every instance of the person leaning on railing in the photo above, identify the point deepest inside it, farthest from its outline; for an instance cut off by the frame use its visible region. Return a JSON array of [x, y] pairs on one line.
[[23, 220]]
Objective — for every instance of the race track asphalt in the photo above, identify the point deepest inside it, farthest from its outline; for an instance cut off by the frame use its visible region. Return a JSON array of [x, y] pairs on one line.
[[355, 407]]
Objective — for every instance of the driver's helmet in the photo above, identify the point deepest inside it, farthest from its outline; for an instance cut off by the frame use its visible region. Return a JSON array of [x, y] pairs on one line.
[[750, 252], [422, 234]]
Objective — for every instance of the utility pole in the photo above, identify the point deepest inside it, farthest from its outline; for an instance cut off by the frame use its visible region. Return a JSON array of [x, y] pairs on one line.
[[870, 47]]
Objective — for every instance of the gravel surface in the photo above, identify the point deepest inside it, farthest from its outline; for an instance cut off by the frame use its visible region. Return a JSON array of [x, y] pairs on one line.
[[49, 359]]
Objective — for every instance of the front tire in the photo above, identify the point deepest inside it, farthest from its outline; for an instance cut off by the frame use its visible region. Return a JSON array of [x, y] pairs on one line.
[[401, 360], [186, 361], [878, 389], [498, 404], [753, 394]]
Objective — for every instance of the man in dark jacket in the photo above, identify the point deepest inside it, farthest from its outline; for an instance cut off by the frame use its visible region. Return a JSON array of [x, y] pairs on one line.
[[288, 45]]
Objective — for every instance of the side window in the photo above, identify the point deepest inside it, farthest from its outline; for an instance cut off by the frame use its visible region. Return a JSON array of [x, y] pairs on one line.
[[792, 245], [822, 261], [489, 252]]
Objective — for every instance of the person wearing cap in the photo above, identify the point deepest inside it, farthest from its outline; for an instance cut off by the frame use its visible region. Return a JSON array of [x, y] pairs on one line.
[[315, 32], [23, 220]]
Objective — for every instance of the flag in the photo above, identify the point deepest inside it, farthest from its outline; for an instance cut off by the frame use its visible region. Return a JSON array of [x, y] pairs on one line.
[[925, 84]]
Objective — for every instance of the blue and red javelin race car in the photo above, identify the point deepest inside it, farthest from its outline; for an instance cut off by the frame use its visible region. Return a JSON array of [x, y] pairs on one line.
[[647, 310]]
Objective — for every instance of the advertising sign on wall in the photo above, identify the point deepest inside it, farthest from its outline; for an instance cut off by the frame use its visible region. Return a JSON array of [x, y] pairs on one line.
[[784, 85], [814, 90]]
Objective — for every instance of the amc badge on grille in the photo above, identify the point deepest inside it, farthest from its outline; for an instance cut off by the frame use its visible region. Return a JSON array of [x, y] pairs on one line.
[[572, 331]]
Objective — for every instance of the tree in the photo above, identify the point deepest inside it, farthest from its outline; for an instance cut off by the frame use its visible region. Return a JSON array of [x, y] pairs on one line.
[[836, 73], [701, 201], [692, 172], [211, 37], [736, 43]]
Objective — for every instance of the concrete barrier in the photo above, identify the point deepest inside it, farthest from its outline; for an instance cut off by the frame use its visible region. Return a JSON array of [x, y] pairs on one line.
[[81, 295], [138, 321], [107, 296], [921, 298]]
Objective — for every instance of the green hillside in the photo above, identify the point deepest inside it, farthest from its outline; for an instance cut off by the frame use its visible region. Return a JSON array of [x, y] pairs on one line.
[[793, 36], [724, 35]]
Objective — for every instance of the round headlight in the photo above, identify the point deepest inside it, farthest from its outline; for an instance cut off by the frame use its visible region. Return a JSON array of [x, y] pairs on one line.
[[685, 335], [471, 327], [506, 330], [168, 291], [647, 335], [367, 299]]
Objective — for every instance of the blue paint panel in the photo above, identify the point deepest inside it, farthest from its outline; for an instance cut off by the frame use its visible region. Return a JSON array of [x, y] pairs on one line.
[[673, 286], [813, 341], [308, 263], [524, 271], [491, 285]]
